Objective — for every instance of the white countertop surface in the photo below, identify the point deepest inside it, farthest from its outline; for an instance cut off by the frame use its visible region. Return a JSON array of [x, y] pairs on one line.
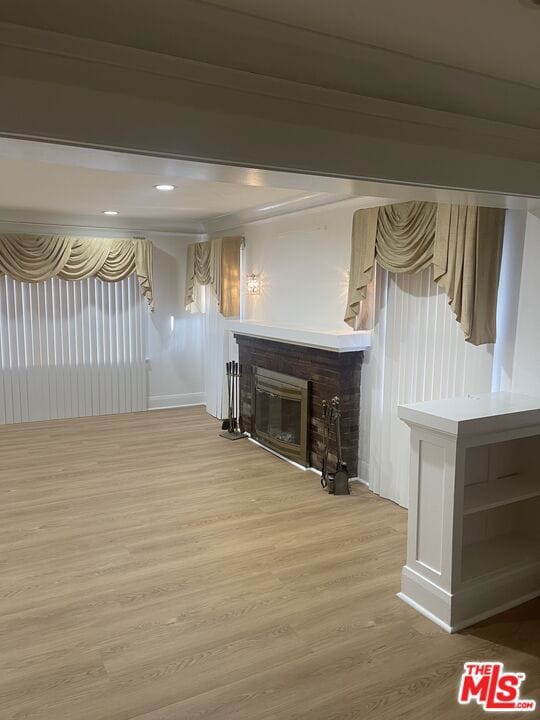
[[334, 340], [475, 413]]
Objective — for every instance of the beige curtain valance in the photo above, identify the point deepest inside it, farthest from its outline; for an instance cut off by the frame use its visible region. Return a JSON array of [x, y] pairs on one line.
[[33, 258], [464, 244], [215, 263]]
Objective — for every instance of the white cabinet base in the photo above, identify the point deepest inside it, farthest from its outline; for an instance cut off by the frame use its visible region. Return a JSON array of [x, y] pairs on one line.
[[468, 606], [426, 597]]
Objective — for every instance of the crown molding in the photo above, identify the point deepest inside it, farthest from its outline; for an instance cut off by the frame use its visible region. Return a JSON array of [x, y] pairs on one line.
[[39, 223], [19, 223], [236, 221], [224, 223]]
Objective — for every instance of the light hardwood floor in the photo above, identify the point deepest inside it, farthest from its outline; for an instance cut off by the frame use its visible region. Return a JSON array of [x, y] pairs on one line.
[[151, 570]]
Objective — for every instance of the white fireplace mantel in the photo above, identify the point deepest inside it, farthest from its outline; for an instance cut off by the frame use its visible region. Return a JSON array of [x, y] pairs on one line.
[[334, 340]]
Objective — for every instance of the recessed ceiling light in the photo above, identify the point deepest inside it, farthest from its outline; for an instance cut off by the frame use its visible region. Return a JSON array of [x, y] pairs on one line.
[[110, 212], [165, 187]]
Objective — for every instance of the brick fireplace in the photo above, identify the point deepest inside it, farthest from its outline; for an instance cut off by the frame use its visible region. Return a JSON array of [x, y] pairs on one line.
[[329, 373]]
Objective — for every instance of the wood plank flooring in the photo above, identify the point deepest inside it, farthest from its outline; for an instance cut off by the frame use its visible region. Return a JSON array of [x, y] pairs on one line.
[[151, 570]]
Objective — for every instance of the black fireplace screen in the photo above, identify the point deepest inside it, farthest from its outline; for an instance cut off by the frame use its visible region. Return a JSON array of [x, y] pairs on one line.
[[278, 416], [281, 413]]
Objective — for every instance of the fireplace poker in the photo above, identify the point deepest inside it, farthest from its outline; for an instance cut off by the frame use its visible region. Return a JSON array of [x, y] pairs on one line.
[[226, 424], [231, 427], [341, 476], [324, 480]]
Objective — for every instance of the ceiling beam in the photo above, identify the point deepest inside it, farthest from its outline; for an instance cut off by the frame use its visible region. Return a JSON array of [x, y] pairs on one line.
[[94, 94]]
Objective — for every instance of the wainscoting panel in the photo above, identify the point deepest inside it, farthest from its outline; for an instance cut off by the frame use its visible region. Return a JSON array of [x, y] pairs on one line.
[[71, 349]]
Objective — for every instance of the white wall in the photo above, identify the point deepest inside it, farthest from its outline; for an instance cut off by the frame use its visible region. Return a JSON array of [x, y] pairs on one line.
[[508, 300], [175, 347], [526, 363], [303, 261]]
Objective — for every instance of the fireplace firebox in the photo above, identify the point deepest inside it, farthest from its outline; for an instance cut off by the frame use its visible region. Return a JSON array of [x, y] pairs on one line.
[[281, 407]]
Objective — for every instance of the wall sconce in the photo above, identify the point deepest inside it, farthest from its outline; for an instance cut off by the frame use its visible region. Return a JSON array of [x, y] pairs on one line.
[[253, 284]]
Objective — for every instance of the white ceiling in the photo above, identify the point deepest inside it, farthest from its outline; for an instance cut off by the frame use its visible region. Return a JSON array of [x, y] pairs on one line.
[[46, 192], [495, 37], [57, 185]]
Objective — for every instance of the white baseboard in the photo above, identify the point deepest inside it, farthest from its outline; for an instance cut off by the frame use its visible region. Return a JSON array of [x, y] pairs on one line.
[[426, 613], [363, 471], [161, 402], [292, 462], [475, 600]]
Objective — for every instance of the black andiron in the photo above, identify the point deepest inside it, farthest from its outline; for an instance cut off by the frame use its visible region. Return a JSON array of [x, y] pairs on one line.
[[232, 425], [338, 481]]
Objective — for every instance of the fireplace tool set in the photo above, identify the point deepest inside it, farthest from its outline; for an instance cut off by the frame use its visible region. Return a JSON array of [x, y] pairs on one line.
[[338, 481], [231, 426]]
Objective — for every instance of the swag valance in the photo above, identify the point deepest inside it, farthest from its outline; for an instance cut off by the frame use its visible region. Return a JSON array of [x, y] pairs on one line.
[[33, 258], [462, 242], [215, 263]]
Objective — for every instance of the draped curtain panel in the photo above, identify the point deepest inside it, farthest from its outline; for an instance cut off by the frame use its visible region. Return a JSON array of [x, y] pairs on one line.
[[463, 243], [34, 258], [215, 263], [203, 268], [229, 303]]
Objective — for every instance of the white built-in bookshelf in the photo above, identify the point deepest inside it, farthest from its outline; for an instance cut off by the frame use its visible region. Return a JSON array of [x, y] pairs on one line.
[[474, 511]]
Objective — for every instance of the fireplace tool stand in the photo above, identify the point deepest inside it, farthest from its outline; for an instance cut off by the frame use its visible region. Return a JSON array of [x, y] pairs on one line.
[[232, 425], [337, 482]]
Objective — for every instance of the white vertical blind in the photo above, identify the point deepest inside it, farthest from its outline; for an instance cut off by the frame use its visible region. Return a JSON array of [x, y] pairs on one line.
[[70, 349], [220, 346], [418, 353]]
